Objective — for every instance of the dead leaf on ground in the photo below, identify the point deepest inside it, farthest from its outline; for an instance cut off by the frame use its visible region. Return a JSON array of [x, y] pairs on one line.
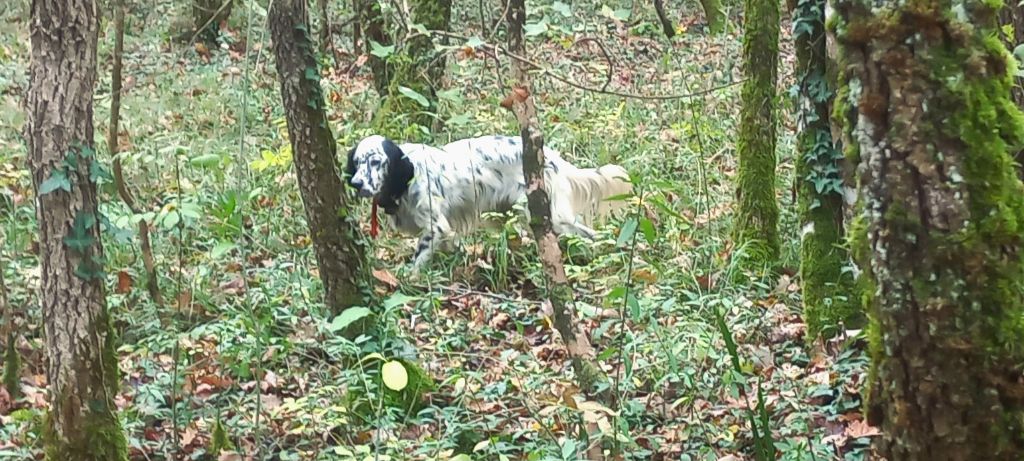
[[861, 428], [386, 278], [124, 282]]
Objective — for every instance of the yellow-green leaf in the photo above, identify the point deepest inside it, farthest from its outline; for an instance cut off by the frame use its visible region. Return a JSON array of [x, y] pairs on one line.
[[395, 376]]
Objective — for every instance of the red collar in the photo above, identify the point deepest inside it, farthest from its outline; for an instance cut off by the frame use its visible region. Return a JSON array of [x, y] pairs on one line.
[[374, 224]]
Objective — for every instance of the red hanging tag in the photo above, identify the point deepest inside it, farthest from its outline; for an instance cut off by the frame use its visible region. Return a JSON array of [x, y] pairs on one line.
[[374, 225]]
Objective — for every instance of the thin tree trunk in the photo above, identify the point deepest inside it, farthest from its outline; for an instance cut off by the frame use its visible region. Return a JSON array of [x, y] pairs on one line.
[[339, 251], [826, 287], [757, 214], [715, 15], [207, 16], [416, 66], [666, 24], [326, 34], [82, 370], [940, 233], [148, 262], [559, 290], [12, 361]]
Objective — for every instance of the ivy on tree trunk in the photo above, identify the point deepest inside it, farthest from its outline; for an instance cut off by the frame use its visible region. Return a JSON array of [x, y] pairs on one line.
[[81, 424], [940, 228], [339, 251], [756, 221], [827, 288]]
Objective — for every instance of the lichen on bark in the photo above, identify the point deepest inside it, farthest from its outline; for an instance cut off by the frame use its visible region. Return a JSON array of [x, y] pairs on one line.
[[940, 228], [755, 231]]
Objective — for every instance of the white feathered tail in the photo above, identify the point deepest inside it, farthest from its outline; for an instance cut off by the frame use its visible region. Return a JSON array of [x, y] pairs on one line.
[[591, 188]]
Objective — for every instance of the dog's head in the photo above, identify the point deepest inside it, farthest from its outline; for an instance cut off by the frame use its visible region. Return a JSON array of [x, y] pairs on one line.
[[378, 167]]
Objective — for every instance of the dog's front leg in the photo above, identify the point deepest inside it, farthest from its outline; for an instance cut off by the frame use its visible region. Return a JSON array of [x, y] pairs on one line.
[[436, 234]]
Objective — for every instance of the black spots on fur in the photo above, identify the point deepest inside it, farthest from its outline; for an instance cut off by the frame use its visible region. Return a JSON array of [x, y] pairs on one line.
[[438, 187], [499, 175], [400, 172], [553, 166]]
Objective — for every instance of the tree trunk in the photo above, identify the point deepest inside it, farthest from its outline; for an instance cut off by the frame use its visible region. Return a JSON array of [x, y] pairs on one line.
[[559, 290], [714, 15], [339, 251], [207, 16], [12, 361], [940, 232], [145, 247], [1012, 14], [756, 234], [666, 24], [82, 370], [416, 66], [827, 289]]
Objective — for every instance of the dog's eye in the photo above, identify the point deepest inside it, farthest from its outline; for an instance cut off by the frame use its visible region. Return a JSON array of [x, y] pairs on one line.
[[374, 162]]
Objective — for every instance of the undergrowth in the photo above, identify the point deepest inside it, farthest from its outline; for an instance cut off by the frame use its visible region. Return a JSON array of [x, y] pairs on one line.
[[243, 357]]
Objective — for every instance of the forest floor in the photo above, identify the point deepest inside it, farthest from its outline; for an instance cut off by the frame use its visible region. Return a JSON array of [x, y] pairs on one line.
[[204, 147]]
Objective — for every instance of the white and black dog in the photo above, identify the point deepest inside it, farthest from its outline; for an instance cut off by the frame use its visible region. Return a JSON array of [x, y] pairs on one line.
[[440, 193]]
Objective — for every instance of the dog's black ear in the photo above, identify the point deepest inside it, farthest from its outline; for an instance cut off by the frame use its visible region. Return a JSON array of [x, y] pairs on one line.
[[350, 166], [396, 181]]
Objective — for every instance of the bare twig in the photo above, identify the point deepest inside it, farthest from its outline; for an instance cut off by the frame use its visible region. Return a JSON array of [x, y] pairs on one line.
[[145, 247], [607, 58], [561, 78]]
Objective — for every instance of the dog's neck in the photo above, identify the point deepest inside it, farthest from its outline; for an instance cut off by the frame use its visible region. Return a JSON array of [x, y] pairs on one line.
[[400, 172]]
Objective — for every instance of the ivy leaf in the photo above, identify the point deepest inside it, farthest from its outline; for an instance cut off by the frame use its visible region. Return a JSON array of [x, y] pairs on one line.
[[205, 160], [97, 172], [394, 375], [628, 229], [647, 227], [311, 74], [348, 317], [381, 51], [58, 180], [535, 29], [562, 9], [80, 239], [412, 94], [569, 448], [396, 300], [474, 42]]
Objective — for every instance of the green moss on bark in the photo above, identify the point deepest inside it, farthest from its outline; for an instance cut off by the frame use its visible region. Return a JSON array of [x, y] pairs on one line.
[[714, 14], [12, 367], [826, 284], [416, 66], [941, 229], [756, 224]]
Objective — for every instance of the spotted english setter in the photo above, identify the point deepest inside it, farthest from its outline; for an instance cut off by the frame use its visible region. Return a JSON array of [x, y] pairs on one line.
[[440, 193]]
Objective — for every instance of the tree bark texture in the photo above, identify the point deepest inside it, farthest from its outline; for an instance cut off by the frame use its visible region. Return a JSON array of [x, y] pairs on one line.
[[757, 214], [940, 229], [666, 24], [714, 15], [82, 369], [1012, 14], [207, 16], [559, 290], [827, 290], [416, 65], [339, 251]]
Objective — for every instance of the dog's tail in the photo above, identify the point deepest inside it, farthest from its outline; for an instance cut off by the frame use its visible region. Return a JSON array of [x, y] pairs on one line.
[[597, 192]]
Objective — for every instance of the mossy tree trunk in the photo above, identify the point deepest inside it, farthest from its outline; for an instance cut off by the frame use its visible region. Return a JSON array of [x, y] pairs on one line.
[[1012, 15], [714, 15], [415, 66], [12, 361], [826, 287], [940, 232], [82, 423], [756, 232], [559, 290], [207, 16], [339, 251]]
